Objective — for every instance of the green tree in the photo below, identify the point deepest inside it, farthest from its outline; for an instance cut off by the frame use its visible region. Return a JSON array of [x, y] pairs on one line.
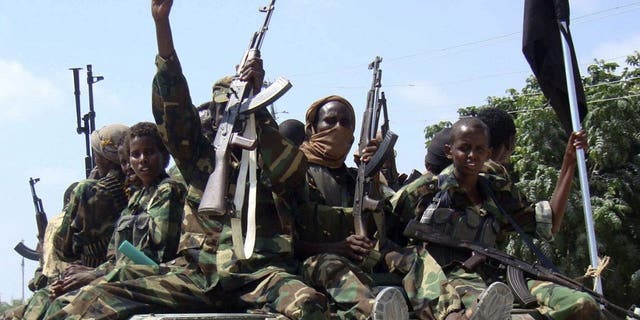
[[4, 306], [613, 165]]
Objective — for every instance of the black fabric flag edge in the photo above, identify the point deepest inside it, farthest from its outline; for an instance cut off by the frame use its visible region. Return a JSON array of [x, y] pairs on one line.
[[542, 48]]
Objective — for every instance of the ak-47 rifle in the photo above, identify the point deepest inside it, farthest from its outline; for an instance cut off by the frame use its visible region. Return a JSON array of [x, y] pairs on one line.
[[514, 268], [86, 124], [376, 104], [41, 222], [237, 129]]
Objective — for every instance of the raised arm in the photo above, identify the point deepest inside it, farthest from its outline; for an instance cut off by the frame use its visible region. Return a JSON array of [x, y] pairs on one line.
[[160, 10], [560, 197]]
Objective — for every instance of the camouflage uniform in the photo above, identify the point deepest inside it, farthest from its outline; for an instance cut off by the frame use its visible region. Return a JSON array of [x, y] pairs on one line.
[[330, 219], [208, 274], [150, 222], [89, 218], [51, 266], [458, 288], [175, 174]]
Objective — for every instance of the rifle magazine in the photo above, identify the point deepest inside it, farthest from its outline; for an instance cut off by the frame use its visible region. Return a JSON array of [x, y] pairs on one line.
[[515, 279]]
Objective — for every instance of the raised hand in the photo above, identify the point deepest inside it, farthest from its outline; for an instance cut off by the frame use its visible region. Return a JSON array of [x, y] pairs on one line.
[[160, 9]]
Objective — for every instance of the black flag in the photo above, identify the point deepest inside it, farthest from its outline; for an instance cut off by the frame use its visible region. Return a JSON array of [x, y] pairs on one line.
[[542, 48]]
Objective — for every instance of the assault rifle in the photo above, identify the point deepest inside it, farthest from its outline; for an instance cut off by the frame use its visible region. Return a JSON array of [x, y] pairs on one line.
[[237, 130], [514, 268], [376, 104], [41, 222], [86, 124]]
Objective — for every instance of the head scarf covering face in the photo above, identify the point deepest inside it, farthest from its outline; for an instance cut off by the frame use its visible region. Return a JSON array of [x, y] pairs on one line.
[[330, 147], [106, 140]]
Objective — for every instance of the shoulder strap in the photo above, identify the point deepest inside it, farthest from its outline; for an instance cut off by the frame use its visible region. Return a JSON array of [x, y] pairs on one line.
[[541, 257], [440, 200]]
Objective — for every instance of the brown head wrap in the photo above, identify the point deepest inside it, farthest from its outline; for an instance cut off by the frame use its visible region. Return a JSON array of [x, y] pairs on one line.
[[312, 112]]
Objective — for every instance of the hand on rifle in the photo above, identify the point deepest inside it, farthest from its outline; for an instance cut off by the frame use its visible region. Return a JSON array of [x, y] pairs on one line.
[[253, 73], [367, 153], [355, 247]]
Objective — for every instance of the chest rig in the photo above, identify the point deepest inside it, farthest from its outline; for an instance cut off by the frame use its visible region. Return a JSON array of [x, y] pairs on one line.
[[334, 186], [134, 227], [473, 224]]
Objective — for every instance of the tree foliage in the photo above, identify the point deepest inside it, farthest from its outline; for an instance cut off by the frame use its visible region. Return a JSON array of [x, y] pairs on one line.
[[613, 166], [4, 306]]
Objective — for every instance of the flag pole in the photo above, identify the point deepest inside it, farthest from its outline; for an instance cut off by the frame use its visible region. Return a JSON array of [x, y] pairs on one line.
[[582, 168]]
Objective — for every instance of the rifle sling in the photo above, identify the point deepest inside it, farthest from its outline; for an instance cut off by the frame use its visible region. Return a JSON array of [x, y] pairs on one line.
[[541, 256], [244, 248]]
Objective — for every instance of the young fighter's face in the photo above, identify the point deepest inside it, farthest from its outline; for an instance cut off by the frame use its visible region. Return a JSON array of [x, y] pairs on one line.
[[146, 160], [469, 151]]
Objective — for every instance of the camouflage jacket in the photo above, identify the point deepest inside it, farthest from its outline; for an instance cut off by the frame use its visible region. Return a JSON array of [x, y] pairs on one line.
[[206, 239], [411, 201], [150, 222], [89, 218]]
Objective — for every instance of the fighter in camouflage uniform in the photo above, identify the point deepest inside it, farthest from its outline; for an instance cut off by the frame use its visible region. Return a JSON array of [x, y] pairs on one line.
[[150, 222], [51, 267], [326, 231], [437, 199], [208, 275], [95, 205], [82, 233]]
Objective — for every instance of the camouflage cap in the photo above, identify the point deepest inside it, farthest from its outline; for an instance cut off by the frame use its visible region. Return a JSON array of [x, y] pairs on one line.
[[105, 141], [220, 89]]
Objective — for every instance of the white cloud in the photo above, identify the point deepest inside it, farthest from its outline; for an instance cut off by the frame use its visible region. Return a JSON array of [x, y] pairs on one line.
[[617, 47], [23, 93]]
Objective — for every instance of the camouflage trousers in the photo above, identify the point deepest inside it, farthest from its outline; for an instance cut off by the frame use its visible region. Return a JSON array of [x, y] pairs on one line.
[[346, 284], [350, 287], [555, 301], [137, 289]]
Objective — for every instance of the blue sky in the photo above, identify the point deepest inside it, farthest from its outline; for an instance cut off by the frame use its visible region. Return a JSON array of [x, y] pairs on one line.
[[438, 56]]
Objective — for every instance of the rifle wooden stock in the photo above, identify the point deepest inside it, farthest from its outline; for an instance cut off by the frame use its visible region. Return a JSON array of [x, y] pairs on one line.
[[516, 268]]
